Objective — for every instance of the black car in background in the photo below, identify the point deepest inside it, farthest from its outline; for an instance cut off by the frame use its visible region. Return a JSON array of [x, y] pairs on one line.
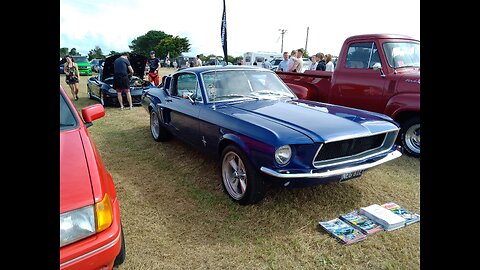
[[100, 87]]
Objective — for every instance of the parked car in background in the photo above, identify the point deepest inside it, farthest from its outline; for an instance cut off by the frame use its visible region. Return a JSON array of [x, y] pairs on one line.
[[100, 87], [91, 234], [275, 62], [95, 64], [84, 67], [260, 131]]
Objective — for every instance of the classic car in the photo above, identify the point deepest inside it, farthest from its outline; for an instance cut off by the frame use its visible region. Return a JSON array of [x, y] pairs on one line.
[[84, 67], [260, 131], [100, 87], [91, 235]]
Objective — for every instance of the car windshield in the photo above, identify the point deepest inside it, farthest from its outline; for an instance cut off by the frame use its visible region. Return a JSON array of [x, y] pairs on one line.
[[80, 59], [67, 118], [402, 54], [222, 85]]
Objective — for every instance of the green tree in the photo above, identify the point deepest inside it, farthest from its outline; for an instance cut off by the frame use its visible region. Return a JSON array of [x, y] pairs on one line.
[[113, 52], [73, 52], [174, 46], [63, 52], [144, 44], [95, 53]]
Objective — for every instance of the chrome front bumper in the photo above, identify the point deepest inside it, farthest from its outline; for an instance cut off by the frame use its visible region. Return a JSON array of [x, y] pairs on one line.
[[331, 173]]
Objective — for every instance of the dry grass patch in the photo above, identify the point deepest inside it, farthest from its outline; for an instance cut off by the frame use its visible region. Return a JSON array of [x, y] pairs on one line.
[[176, 216]]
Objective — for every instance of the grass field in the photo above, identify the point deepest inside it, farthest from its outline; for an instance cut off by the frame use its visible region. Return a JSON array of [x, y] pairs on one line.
[[176, 216]]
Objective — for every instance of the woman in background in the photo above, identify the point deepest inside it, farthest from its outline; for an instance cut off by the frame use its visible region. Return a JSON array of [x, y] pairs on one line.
[[329, 66], [72, 76]]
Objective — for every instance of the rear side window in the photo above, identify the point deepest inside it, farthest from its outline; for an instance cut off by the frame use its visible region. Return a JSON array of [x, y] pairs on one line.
[[67, 118], [362, 55]]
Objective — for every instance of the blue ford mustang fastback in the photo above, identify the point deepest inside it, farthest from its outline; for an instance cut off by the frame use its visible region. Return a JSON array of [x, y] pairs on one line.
[[260, 131]]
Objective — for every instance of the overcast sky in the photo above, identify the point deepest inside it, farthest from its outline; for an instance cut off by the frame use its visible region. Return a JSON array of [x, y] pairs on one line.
[[252, 25]]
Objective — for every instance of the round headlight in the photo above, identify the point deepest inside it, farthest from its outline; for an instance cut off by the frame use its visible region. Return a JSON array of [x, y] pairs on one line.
[[283, 154]]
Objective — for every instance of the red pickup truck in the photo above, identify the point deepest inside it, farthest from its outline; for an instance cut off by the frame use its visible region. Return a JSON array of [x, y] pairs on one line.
[[376, 72]]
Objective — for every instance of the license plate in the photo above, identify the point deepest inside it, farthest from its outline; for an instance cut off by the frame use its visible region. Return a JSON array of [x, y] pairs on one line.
[[350, 175]]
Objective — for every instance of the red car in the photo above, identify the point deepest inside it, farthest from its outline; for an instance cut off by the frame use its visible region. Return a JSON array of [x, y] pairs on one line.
[[91, 235]]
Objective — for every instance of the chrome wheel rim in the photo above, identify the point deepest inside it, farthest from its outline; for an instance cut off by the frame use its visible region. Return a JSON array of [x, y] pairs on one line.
[[234, 175], [154, 125], [412, 138]]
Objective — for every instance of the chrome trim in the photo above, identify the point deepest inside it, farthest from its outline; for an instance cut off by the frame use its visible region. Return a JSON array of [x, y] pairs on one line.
[[93, 251], [393, 155], [361, 135], [359, 155]]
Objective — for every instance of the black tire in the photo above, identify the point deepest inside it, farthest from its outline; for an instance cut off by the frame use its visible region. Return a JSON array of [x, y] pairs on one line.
[[157, 130], [121, 255], [243, 184], [410, 136]]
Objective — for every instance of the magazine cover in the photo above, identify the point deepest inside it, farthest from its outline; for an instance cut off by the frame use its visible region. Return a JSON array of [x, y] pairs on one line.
[[383, 216], [409, 216], [361, 222], [341, 230]]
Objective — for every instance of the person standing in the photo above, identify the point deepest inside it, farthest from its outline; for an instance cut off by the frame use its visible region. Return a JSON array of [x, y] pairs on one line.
[[321, 61], [153, 64], [314, 62], [72, 77], [329, 66], [121, 82], [283, 65], [266, 64], [198, 61], [298, 65]]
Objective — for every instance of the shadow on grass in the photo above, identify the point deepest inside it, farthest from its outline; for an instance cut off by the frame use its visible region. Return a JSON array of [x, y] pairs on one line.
[[184, 184]]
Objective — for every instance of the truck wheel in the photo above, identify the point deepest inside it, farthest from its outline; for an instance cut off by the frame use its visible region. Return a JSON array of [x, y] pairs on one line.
[[240, 180], [410, 136]]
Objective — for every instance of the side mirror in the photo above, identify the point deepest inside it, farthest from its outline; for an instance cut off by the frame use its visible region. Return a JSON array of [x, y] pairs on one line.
[[378, 66], [92, 113]]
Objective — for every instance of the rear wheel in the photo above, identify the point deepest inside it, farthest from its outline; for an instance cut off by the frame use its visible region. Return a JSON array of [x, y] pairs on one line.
[[241, 181], [159, 132], [410, 136]]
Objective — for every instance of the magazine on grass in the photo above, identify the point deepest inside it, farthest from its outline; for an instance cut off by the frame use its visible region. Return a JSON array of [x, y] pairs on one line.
[[383, 216], [410, 217], [361, 222], [343, 231]]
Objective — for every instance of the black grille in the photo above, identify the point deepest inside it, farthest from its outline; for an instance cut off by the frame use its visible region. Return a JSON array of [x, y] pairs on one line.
[[349, 147]]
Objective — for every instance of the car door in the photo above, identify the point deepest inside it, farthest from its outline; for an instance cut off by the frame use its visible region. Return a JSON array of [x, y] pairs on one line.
[[94, 86], [357, 84], [180, 114]]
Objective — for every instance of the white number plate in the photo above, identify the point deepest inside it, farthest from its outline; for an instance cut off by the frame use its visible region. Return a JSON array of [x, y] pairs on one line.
[[350, 175]]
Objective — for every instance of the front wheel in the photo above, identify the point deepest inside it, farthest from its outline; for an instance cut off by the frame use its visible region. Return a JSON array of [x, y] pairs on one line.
[[240, 180], [410, 136]]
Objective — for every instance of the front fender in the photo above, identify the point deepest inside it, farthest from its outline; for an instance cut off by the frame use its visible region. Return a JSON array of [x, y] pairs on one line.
[[259, 153], [402, 103]]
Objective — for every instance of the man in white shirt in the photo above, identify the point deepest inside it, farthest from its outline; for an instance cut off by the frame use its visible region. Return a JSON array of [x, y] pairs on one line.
[[283, 65]]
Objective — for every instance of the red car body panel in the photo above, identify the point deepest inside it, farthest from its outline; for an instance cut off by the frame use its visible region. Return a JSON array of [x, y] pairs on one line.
[[84, 180]]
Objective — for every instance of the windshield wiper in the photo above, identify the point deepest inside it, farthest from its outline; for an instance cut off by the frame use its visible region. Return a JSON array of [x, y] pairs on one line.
[[236, 95], [270, 92]]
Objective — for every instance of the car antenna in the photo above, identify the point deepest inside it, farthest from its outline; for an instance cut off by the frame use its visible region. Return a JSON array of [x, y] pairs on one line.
[[214, 107]]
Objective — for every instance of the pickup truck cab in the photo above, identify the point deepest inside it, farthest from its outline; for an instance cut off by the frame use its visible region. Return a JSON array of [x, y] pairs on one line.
[[375, 72]]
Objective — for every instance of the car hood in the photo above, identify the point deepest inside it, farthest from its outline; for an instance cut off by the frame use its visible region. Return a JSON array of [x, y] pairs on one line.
[[137, 61], [321, 122], [75, 187]]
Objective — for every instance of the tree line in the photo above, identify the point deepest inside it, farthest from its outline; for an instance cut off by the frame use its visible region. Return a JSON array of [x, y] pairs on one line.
[[163, 44]]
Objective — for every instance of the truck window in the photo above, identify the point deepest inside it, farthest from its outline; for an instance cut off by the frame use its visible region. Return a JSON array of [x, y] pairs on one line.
[[362, 55], [402, 54]]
